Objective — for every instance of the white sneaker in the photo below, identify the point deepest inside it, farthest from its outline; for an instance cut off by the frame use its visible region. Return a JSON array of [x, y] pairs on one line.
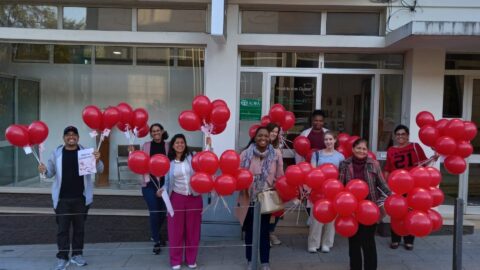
[[78, 260], [176, 267], [325, 249], [62, 264], [192, 266], [274, 240], [312, 250]]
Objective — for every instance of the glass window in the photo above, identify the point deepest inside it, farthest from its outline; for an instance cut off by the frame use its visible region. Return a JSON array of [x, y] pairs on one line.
[[476, 114], [474, 184], [189, 57], [281, 22], [390, 109], [449, 185], [279, 59], [7, 157], [154, 56], [171, 20], [7, 104], [109, 19], [72, 54], [28, 16], [30, 53], [250, 105], [353, 23], [350, 60], [462, 61], [113, 55], [453, 96]]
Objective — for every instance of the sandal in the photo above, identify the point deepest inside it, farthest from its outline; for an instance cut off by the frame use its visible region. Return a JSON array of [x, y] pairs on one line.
[[409, 246], [394, 245]]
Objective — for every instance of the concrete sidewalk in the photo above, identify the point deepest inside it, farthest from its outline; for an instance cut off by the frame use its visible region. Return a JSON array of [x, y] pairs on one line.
[[434, 252]]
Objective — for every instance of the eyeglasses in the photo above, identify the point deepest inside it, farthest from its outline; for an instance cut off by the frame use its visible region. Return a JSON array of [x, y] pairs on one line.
[[401, 134]]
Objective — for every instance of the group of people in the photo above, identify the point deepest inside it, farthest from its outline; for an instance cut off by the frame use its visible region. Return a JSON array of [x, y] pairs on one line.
[[73, 194]]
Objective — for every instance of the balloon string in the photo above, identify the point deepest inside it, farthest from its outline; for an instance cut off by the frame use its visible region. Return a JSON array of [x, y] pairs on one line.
[[35, 155], [100, 143], [155, 182]]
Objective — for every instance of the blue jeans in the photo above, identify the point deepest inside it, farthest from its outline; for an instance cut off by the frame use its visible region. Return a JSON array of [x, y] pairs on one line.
[[157, 210]]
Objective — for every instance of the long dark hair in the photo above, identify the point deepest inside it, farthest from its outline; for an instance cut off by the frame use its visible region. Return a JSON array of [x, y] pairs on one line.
[[164, 134], [252, 140], [171, 152], [270, 128]]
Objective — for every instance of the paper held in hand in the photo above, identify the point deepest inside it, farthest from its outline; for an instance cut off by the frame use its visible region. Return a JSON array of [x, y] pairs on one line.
[[86, 162]]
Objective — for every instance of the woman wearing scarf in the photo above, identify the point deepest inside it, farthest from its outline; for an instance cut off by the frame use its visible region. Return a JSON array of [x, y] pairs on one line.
[[266, 165]]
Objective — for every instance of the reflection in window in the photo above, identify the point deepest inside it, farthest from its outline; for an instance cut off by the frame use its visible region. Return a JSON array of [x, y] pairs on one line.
[[7, 109], [75, 18], [474, 184], [28, 16], [357, 60], [154, 56], [462, 61], [476, 114], [449, 185], [30, 52], [281, 22], [72, 54], [250, 104], [113, 55], [390, 109], [109, 19], [171, 20], [279, 59], [453, 96], [190, 57], [7, 157], [353, 23]]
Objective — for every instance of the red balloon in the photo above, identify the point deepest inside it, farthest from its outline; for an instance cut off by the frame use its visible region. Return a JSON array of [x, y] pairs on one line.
[[139, 162], [400, 181], [421, 177], [455, 164], [425, 118], [372, 155], [17, 135], [265, 120], [305, 167], [437, 196], [345, 203], [143, 131], [286, 191], [123, 126], [37, 132], [440, 125], [195, 165], [111, 116], [302, 146], [159, 165], [323, 211], [428, 135], [189, 121], [229, 162], [445, 145], [253, 130], [464, 149], [244, 179], [358, 188], [308, 157], [420, 199], [435, 176], [315, 195], [314, 179], [92, 116], [367, 213], [220, 115], [470, 131], [140, 117], [329, 170], [202, 106], [225, 185], [436, 218], [219, 102], [396, 206], [342, 138], [344, 150], [331, 187], [346, 226], [217, 129], [126, 112], [201, 182], [208, 162], [455, 129], [277, 113], [351, 141], [294, 175], [418, 224], [288, 121], [398, 226]]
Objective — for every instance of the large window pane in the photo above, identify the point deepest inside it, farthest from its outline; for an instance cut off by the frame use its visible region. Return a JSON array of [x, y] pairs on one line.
[[474, 184], [353, 23], [279, 59], [28, 16], [453, 96], [476, 114], [462, 61], [28, 101], [390, 109], [7, 158], [109, 19], [113, 55], [377, 61], [72, 54], [449, 185], [171, 20], [281, 22], [7, 104], [250, 104], [154, 56], [30, 52], [189, 57]]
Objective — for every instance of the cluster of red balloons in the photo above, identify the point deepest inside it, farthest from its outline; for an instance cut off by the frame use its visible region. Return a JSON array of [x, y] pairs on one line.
[[212, 115], [278, 115], [141, 163], [122, 116], [450, 138], [345, 145], [233, 178], [23, 135], [415, 192]]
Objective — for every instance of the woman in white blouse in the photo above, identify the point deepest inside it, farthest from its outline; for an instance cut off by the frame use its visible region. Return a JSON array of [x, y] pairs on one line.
[[184, 226]]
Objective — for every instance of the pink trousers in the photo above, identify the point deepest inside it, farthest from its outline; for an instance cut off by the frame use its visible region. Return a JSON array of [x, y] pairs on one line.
[[184, 228]]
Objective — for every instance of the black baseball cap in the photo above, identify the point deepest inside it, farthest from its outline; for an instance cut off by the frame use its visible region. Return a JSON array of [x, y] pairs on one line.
[[70, 129]]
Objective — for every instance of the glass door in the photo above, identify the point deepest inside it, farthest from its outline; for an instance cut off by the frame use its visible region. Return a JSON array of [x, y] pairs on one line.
[[472, 113], [7, 112]]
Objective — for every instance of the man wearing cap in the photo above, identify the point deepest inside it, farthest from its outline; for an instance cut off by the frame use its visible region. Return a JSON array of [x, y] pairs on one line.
[[72, 195]]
